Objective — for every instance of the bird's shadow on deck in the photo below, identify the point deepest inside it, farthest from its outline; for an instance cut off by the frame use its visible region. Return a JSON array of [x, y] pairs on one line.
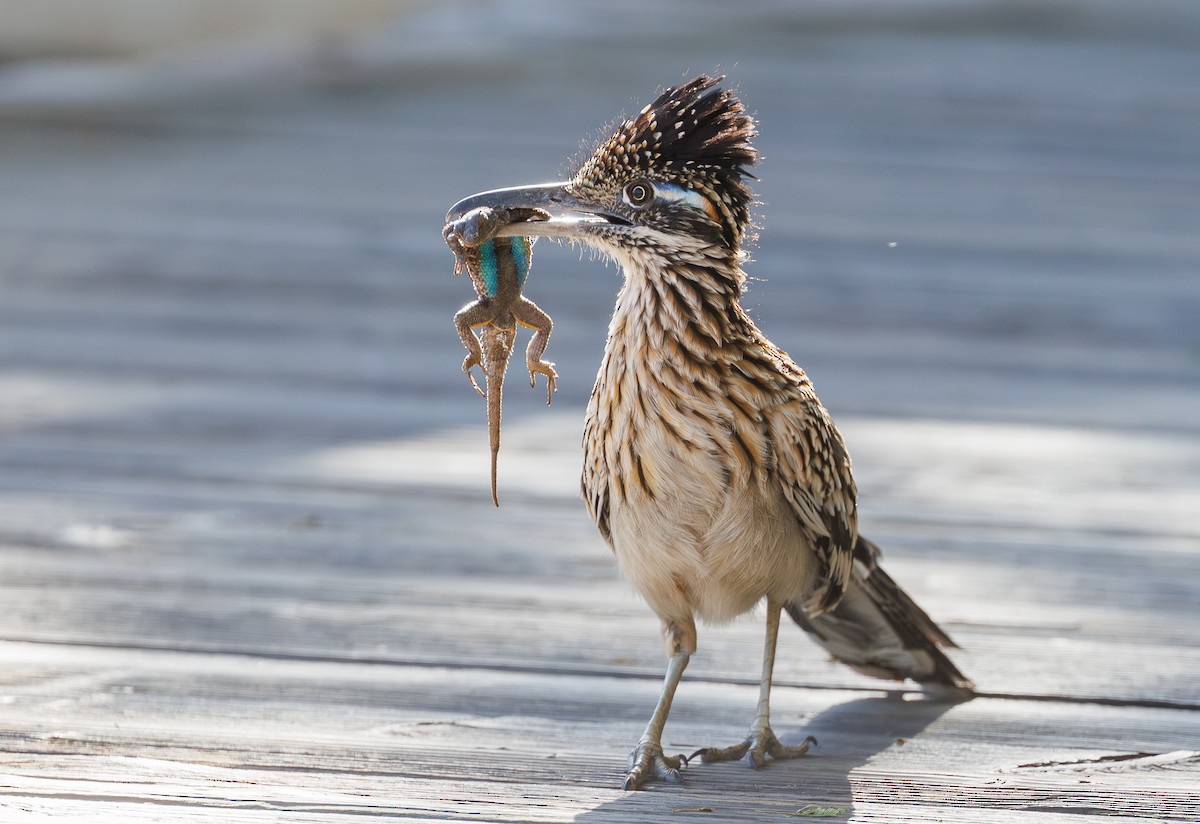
[[816, 787]]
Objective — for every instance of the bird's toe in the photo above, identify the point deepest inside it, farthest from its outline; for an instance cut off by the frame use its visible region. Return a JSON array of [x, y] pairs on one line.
[[755, 749], [710, 755], [780, 751], [648, 763]]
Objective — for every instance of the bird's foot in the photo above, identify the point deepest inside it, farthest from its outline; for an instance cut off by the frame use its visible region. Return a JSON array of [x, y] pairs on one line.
[[648, 762], [755, 749]]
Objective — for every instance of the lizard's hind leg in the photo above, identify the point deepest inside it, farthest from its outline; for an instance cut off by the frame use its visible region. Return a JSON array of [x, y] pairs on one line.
[[464, 321], [528, 314]]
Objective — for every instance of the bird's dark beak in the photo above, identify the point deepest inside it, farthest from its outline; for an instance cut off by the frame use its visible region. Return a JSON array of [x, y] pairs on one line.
[[569, 217]]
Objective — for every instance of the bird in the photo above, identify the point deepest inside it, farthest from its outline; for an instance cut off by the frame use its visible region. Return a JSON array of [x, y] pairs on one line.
[[710, 466]]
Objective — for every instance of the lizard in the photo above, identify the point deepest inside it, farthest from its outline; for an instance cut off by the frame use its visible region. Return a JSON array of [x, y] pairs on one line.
[[497, 267]]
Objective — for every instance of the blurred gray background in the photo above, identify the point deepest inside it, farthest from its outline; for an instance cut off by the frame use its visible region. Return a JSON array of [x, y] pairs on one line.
[[969, 209]]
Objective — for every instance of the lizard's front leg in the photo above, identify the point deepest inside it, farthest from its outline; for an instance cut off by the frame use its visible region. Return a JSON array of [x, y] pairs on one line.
[[528, 314], [471, 315]]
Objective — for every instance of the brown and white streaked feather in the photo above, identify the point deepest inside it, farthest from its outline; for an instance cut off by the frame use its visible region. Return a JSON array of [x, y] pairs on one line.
[[709, 447], [710, 466], [878, 630]]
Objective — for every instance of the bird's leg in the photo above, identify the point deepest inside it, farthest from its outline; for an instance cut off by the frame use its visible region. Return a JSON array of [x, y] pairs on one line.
[[647, 761], [761, 741]]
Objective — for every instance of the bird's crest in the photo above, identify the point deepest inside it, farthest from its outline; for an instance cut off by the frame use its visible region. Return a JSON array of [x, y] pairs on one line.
[[697, 135]]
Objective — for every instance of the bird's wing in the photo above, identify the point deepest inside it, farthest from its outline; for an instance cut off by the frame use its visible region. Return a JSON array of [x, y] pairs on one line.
[[813, 468], [594, 482]]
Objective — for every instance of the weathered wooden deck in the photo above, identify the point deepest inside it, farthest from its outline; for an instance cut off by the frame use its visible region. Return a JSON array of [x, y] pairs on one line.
[[249, 570]]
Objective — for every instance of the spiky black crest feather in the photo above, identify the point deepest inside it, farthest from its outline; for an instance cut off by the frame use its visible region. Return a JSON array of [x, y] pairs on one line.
[[697, 135]]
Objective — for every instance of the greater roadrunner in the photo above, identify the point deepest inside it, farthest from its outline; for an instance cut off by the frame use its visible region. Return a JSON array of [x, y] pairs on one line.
[[710, 466]]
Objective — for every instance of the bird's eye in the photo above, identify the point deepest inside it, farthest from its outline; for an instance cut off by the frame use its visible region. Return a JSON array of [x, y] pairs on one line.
[[638, 194]]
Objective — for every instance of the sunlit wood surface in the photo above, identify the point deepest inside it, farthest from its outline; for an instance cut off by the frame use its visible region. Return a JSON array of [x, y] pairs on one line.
[[249, 568]]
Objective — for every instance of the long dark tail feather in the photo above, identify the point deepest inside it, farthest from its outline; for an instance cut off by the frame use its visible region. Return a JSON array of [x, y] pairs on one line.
[[878, 630]]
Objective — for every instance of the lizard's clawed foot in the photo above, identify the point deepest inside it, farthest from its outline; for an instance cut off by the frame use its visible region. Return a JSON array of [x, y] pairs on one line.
[[469, 363], [647, 763], [544, 368], [755, 749]]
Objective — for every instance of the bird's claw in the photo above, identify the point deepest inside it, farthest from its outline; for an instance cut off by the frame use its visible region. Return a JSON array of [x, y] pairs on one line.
[[755, 749], [648, 762]]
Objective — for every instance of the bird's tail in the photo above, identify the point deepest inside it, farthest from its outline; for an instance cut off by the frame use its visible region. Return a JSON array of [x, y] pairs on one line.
[[878, 630]]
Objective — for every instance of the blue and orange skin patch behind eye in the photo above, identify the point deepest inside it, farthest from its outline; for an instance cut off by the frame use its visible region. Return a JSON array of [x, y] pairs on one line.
[[517, 248], [676, 193]]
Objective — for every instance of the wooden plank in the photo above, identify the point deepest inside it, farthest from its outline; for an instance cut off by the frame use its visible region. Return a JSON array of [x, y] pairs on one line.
[[121, 727], [181, 550], [601, 630]]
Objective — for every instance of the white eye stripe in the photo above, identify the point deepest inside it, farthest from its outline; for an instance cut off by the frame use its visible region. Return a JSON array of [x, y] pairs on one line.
[[678, 194], [640, 193]]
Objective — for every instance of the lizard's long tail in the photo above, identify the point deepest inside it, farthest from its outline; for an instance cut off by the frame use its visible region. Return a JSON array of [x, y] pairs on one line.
[[496, 353], [494, 402]]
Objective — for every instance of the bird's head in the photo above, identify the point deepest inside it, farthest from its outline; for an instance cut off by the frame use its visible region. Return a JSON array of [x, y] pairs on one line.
[[669, 181]]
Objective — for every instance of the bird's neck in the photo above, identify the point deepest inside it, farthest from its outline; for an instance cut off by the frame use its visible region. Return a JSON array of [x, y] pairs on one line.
[[691, 304]]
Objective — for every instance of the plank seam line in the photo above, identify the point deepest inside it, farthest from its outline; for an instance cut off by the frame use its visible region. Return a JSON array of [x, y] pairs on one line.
[[579, 671]]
